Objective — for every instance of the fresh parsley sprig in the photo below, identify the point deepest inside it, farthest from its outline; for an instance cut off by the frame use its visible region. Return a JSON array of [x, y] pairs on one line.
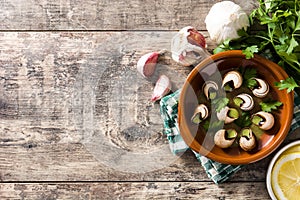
[[249, 51], [269, 106], [274, 33], [249, 74], [289, 84], [219, 103]]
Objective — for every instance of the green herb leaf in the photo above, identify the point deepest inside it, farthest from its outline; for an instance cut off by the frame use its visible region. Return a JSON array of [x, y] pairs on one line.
[[269, 106], [249, 75], [244, 120], [297, 26], [251, 83], [289, 84], [215, 125], [242, 32], [206, 125], [283, 39], [220, 103], [278, 37], [249, 51], [258, 132], [225, 46], [293, 44]]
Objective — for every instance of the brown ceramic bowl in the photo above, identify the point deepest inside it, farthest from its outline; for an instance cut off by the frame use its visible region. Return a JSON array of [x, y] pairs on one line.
[[201, 141]]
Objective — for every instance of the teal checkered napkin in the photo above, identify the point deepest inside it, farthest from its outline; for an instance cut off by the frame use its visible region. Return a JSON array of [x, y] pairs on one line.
[[296, 117], [216, 171]]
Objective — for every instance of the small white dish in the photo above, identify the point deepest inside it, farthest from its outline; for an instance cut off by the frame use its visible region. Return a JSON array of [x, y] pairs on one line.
[[271, 165]]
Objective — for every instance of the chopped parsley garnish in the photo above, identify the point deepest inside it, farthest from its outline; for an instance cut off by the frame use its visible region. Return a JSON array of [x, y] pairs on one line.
[[288, 84], [269, 106], [220, 103], [249, 75]]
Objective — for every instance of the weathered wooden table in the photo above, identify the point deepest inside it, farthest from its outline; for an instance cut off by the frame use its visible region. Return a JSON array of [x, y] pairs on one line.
[[75, 117]]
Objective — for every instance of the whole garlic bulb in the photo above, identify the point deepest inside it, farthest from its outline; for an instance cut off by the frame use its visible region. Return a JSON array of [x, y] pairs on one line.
[[224, 20]]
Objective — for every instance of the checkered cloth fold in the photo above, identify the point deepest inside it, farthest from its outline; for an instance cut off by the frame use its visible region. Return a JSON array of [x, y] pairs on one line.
[[216, 171]]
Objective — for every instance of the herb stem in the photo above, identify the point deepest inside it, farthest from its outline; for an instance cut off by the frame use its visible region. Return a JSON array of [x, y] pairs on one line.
[[290, 64], [262, 37]]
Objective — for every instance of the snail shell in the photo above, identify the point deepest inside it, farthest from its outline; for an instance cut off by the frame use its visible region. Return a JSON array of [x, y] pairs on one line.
[[223, 115], [247, 141], [262, 90], [267, 120], [200, 113], [233, 77], [208, 88], [247, 101], [223, 139]]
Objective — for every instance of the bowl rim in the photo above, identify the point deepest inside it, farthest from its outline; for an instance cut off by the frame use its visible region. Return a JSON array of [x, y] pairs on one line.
[[188, 138], [272, 163]]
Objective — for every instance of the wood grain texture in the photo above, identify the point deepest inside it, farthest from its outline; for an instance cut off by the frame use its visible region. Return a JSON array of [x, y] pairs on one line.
[[106, 15], [58, 89], [64, 93], [75, 116], [144, 190]]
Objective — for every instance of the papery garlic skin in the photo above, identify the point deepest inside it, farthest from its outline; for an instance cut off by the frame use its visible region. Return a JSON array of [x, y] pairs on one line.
[[224, 20], [161, 88], [188, 46]]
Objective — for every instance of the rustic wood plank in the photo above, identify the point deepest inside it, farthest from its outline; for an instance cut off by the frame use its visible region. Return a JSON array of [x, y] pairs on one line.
[[72, 162], [63, 89], [63, 94], [106, 15], [60, 91], [144, 190]]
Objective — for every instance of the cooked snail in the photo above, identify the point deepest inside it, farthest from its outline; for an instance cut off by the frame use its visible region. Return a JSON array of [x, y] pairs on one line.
[[262, 89], [210, 89], [264, 120], [244, 101], [200, 113], [247, 141], [228, 115], [225, 138], [232, 80]]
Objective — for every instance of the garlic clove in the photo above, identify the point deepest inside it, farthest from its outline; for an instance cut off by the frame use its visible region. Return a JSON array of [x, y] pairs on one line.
[[196, 38], [146, 65], [161, 88], [188, 46]]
